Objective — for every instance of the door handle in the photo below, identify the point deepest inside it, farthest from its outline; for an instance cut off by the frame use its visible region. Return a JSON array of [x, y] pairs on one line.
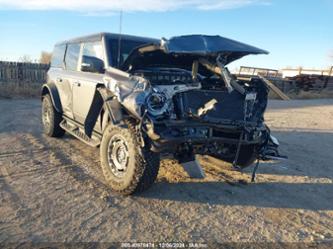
[[77, 83], [59, 80]]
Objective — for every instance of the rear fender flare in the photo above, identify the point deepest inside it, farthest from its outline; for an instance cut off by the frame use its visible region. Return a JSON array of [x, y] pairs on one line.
[[51, 89]]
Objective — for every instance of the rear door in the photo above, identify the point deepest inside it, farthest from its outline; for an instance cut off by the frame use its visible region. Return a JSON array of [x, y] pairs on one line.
[[85, 85], [57, 75]]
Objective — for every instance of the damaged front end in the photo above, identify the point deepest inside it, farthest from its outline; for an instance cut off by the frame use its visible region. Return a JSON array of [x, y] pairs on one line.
[[186, 101], [203, 118]]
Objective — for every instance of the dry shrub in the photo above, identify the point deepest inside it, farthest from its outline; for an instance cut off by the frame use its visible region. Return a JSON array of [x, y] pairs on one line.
[[45, 57], [14, 90]]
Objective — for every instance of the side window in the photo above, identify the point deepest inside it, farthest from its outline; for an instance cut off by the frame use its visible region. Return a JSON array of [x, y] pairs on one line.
[[93, 49], [92, 57], [72, 56], [116, 59], [58, 56]]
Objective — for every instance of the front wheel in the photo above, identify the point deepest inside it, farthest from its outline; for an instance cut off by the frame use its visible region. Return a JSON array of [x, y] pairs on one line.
[[127, 167]]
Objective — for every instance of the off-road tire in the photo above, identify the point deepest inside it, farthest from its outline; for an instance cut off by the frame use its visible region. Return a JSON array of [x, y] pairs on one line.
[[143, 164], [51, 127]]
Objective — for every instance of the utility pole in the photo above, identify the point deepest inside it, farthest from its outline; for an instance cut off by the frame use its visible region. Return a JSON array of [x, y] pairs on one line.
[[119, 38]]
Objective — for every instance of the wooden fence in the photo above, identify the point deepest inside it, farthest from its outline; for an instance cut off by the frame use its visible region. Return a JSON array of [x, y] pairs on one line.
[[22, 73], [305, 82]]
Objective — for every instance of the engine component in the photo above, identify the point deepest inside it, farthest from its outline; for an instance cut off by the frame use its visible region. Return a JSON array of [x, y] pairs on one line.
[[207, 107]]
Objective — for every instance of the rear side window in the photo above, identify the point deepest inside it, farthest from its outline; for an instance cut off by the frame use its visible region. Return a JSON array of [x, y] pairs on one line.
[[58, 56], [72, 56]]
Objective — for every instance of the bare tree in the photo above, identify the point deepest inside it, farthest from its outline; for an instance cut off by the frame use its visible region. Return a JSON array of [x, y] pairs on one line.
[[25, 58], [45, 57]]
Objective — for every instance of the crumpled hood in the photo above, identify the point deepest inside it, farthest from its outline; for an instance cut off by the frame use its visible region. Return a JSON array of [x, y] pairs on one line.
[[182, 50], [209, 45]]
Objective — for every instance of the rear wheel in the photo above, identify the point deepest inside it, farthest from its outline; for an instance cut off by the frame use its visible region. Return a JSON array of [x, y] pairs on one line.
[[127, 167], [51, 118]]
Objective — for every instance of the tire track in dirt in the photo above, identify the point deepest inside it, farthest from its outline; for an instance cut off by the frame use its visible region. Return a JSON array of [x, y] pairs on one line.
[[52, 155], [26, 210], [67, 149], [64, 152], [14, 206], [42, 159]]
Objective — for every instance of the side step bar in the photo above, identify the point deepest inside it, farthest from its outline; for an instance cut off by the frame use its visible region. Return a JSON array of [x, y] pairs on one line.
[[74, 129]]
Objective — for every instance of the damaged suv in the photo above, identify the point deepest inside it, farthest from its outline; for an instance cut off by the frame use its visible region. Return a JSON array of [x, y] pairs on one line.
[[140, 99]]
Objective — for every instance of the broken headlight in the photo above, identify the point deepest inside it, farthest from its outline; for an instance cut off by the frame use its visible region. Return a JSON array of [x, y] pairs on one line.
[[157, 104]]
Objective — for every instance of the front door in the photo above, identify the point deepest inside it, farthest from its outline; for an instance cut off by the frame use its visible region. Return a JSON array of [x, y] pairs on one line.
[[83, 93], [84, 87]]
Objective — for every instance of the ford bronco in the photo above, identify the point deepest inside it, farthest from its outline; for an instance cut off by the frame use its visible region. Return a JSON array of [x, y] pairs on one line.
[[140, 99]]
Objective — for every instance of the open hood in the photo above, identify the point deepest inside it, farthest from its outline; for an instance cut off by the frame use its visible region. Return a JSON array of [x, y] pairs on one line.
[[181, 51]]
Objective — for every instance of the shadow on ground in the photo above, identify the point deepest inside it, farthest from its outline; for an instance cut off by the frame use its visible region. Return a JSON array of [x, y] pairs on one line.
[[272, 195]]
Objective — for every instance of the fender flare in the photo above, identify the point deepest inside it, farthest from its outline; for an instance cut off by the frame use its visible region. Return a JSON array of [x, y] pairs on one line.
[[51, 89], [102, 97]]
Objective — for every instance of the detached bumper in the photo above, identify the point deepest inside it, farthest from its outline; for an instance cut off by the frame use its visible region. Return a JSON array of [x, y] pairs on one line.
[[167, 137]]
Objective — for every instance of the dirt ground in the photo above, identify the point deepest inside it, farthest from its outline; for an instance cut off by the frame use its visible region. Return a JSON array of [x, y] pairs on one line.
[[53, 190]]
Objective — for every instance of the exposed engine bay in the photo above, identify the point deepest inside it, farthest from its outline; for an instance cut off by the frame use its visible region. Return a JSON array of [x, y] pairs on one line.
[[188, 113], [179, 94], [189, 103]]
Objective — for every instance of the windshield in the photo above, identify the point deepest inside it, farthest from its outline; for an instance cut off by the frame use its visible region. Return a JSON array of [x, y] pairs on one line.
[[126, 47]]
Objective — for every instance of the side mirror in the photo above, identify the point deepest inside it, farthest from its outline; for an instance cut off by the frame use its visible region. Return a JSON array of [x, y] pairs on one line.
[[92, 64]]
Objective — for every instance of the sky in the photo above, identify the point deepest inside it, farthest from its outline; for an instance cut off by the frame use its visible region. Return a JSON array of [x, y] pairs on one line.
[[296, 33]]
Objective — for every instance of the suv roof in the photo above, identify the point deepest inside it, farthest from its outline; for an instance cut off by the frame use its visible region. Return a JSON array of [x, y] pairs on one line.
[[98, 36]]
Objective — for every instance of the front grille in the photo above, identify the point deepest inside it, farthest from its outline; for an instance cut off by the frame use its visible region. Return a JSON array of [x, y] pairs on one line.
[[166, 77], [229, 106]]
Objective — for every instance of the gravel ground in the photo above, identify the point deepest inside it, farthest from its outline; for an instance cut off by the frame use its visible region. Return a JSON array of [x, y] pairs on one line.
[[53, 190]]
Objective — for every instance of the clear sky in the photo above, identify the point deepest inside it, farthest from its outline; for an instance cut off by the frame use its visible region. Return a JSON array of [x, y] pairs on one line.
[[297, 33]]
